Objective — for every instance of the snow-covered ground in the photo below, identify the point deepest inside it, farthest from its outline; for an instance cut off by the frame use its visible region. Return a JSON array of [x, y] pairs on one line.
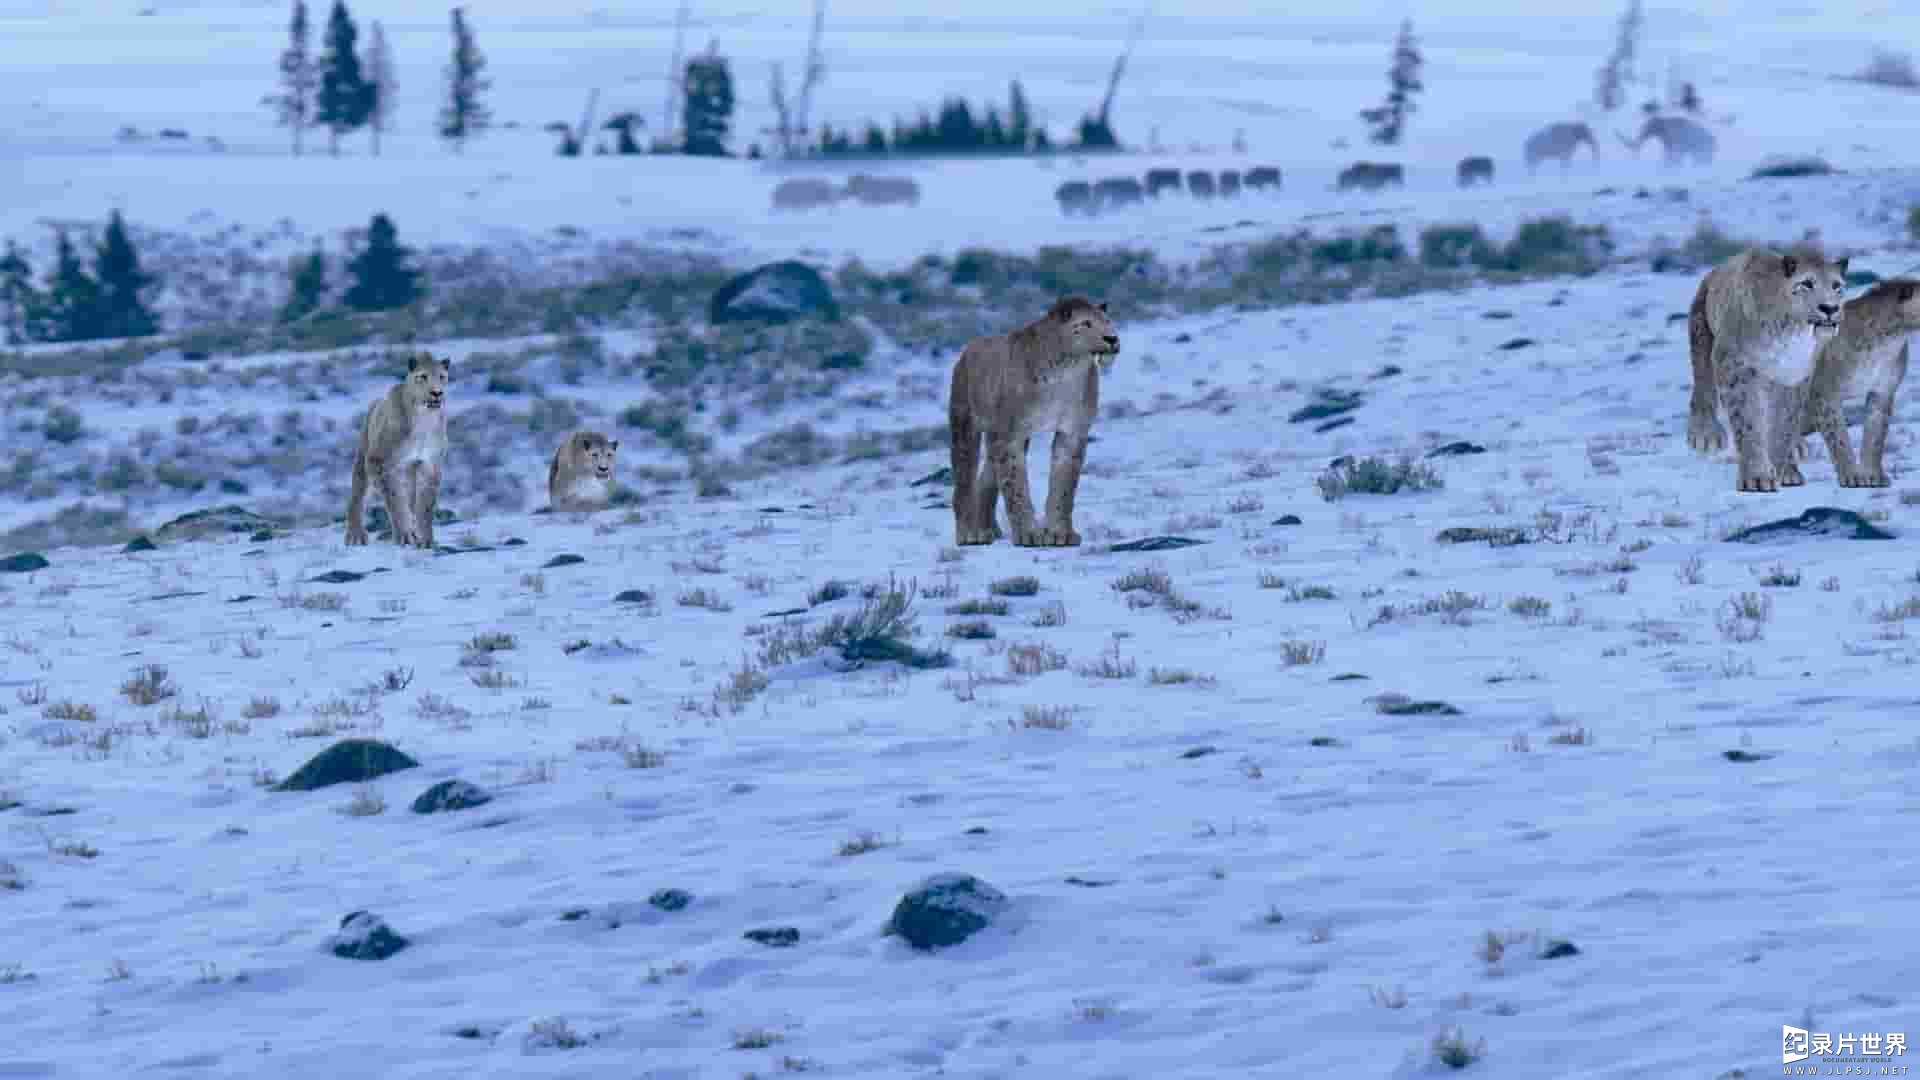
[[1226, 851]]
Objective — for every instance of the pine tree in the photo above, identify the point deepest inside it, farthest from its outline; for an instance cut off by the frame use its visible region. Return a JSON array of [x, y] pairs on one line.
[[994, 135], [1690, 99], [1389, 121], [308, 289], [708, 113], [72, 298], [18, 300], [382, 276], [382, 86], [1019, 118], [345, 95], [121, 312], [876, 139], [293, 105], [464, 115]]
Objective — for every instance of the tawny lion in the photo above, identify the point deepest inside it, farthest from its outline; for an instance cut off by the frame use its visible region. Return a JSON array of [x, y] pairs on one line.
[[580, 476], [1868, 356], [1752, 329], [1007, 388], [403, 442]]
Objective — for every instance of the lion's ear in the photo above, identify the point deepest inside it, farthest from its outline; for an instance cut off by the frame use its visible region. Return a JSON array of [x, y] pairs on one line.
[[614, 445], [1841, 264], [1103, 307], [413, 361], [446, 364], [1787, 264], [1907, 289]]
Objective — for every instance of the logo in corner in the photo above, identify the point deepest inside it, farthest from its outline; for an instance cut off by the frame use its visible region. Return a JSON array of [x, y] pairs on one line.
[[1793, 1044]]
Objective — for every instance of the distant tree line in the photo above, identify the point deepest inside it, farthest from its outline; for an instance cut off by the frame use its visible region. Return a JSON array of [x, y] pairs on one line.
[[341, 92], [107, 296]]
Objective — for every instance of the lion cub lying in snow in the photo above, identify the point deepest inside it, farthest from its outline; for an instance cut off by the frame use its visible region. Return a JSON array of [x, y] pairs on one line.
[[1752, 330], [581, 474], [1007, 388], [1868, 356], [403, 442]]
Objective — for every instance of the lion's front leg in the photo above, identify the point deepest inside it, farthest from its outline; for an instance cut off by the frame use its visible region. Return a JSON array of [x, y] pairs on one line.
[[396, 494], [1873, 439], [426, 501], [1748, 411], [1010, 469], [1783, 426], [1063, 482]]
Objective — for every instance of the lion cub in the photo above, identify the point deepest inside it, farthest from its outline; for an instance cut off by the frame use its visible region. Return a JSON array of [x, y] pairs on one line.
[[403, 442], [581, 475], [1868, 356], [1042, 378], [1752, 330]]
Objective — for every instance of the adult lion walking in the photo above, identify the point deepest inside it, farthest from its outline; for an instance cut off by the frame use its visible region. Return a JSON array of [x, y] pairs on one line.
[[1007, 388]]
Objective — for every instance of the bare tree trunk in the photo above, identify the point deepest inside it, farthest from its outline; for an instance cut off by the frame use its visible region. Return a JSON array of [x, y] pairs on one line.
[[783, 121], [816, 67], [586, 120], [674, 74], [1120, 63]]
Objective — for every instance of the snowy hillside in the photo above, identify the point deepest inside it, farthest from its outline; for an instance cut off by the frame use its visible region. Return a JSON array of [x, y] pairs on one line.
[[1537, 766]]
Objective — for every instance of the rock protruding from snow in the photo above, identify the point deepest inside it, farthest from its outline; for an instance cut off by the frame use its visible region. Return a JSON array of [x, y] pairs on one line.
[[1157, 543], [450, 795], [349, 761], [670, 899], [24, 563], [946, 909], [1825, 521], [218, 521], [774, 937], [365, 936], [778, 292]]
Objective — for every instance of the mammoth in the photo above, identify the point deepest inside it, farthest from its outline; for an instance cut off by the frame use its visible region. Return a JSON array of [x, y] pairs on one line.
[[1558, 141], [1680, 138]]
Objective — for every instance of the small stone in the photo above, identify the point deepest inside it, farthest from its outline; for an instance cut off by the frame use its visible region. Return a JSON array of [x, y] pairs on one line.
[[670, 899], [1516, 343], [24, 563], [1158, 543], [349, 761], [1742, 757], [774, 937], [945, 909], [450, 795], [1558, 948], [1287, 519], [138, 544], [633, 596], [1456, 449], [563, 560], [365, 936], [336, 577], [1198, 752]]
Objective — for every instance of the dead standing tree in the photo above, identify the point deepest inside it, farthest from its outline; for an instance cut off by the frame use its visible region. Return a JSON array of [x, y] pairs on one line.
[[790, 120], [676, 77], [1096, 130]]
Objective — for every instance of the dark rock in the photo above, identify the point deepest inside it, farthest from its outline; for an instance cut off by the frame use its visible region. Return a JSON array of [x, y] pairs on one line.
[[1182, 338], [449, 795], [945, 909], [365, 936], [773, 510], [575, 914], [1158, 543], [261, 537], [941, 475], [977, 830], [1287, 519], [1351, 676], [1497, 315], [1558, 948], [336, 577], [24, 563], [214, 522], [670, 899], [137, 545], [1326, 404], [349, 761], [1742, 757], [1332, 425], [774, 937], [1496, 537], [633, 596], [563, 560], [1516, 343], [1087, 883], [1456, 449], [1826, 521], [243, 598], [513, 541], [1325, 741], [171, 595], [778, 292], [1394, 707], [1387, 372], [1198, 752]]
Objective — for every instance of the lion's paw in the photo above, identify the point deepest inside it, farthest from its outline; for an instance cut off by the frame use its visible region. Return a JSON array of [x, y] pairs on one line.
[[1788, 475], [1705, 434]]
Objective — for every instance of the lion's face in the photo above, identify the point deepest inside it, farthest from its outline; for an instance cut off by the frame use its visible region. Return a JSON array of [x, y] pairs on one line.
[[598, 457], [1816, 292], [427, 381], [1090, 333]]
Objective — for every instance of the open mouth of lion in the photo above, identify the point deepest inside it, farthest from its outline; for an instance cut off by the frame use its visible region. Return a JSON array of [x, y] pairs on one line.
[[603, 473], [433, 403], [1824, 326]]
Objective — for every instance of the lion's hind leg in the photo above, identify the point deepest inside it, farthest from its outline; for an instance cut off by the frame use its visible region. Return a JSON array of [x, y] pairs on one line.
[[1705, 433], [357, 502], [972, 480]]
